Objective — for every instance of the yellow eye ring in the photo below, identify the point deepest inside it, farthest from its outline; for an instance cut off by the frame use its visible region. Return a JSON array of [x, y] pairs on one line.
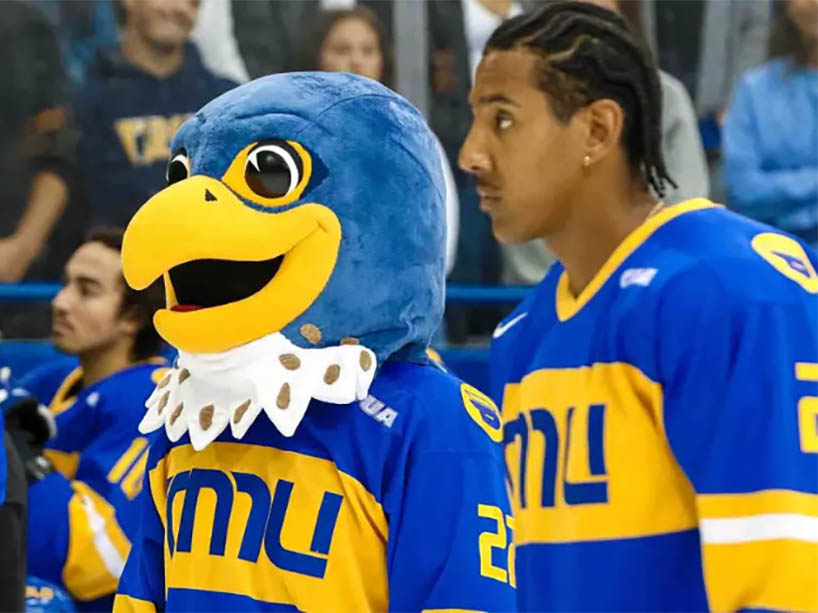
[[236, 178]]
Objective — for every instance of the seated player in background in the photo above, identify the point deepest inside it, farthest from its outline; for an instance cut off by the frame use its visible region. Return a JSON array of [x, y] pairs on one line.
[[659, 385], [82, 516]]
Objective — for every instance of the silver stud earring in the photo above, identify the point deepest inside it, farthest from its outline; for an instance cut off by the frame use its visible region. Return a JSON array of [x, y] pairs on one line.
[[587, 161]]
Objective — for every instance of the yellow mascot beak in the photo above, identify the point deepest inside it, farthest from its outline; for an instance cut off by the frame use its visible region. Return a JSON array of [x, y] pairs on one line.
[[232, 274]]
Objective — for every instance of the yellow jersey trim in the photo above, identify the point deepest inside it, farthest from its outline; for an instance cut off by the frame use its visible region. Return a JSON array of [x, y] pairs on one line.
[[97, 547], [60, 403], [129, 604], [779, 575], [64, 462], [712, 506], [567, 305]]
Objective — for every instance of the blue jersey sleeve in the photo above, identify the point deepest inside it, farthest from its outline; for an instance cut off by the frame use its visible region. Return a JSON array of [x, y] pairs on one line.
[[76, 429], [74, 539], [142, 587], [44, 381], [740, 377], [450, 542]]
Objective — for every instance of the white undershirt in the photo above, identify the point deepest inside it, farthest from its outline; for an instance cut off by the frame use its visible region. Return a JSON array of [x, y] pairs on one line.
[[479, 23]]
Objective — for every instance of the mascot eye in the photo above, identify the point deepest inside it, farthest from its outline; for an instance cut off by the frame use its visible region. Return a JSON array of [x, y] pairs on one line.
[[178, 168], [273, 169]]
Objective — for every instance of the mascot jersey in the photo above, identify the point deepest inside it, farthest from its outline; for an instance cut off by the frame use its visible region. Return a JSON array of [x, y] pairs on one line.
[[396, 502], [82, 517], [313, 458], [660, 429]]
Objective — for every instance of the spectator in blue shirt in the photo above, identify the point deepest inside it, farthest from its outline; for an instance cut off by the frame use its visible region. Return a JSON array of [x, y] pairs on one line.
[[771, 132], [135, 97]]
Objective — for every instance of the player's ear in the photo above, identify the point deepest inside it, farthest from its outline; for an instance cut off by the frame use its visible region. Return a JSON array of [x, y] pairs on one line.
[[130, 320], [604, 119]]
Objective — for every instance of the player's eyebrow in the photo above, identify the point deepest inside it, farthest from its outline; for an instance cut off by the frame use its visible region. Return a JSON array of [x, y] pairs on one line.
[[88, 281], [494, 98]]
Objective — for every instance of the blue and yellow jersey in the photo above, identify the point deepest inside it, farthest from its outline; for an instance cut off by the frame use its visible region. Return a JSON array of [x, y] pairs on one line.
[[661, 428], [397, 502], [81, 518]]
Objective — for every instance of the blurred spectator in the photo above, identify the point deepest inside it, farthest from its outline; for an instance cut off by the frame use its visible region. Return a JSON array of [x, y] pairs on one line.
[[214, 37], [135, 97], [270, 33], [82, 26], [83, 512], [707, 44], [527, 263], [353, 40], [771, 133], [34, 145], [681, 141], [458, 31]]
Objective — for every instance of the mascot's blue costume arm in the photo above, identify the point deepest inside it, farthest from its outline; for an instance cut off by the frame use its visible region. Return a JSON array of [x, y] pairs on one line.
[[313, 459]]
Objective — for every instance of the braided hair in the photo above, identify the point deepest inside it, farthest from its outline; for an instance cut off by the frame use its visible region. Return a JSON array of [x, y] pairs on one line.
[[588, 53]]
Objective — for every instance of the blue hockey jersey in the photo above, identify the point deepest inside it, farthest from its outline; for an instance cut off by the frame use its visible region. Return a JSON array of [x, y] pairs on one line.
[[82, 517], [397, 502], [661, 428]]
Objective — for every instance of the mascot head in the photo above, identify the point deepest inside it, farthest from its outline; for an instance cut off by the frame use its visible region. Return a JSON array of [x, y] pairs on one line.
[[305, 207]]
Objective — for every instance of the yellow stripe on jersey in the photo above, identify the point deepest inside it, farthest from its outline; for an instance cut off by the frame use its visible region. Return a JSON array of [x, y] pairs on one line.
[[713, 506], [60, 403], [124, 463], [129, 604], [567, 305], [771, 574], [132, 483], [65, 463], [768, 540], [355, 571], [97, 547], [597, 465]]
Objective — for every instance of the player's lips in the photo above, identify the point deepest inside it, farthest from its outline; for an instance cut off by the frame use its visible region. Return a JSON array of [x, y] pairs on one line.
[[489, 197], [60, 325]]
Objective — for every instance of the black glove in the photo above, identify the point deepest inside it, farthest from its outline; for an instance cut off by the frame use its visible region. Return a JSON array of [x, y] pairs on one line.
[[29, 424]]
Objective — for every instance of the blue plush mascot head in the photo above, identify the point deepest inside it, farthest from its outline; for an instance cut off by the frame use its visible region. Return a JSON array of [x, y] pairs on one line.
[[304, 203]]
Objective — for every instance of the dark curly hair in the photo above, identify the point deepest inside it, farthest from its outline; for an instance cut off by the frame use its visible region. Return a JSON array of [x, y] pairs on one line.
[[588, 53]]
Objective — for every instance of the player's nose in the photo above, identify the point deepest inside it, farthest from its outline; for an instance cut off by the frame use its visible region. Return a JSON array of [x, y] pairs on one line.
[[60, 302], [473, 158]]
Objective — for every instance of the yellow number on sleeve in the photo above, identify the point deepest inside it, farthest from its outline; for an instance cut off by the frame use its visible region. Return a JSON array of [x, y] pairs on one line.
[[496, 539], [808, 408], [491, 540]]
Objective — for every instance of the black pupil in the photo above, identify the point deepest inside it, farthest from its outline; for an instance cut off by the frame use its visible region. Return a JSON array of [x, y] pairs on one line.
[[272, 179], [176, 172]]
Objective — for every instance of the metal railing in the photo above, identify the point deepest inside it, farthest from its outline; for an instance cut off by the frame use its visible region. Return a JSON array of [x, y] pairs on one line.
[[455, 293]]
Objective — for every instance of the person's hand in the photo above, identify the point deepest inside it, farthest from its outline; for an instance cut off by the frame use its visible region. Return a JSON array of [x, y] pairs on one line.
[[15, 258], [29, 424]]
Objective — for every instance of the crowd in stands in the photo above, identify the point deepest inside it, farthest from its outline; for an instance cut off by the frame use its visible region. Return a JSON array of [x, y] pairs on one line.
[[94, 89]]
